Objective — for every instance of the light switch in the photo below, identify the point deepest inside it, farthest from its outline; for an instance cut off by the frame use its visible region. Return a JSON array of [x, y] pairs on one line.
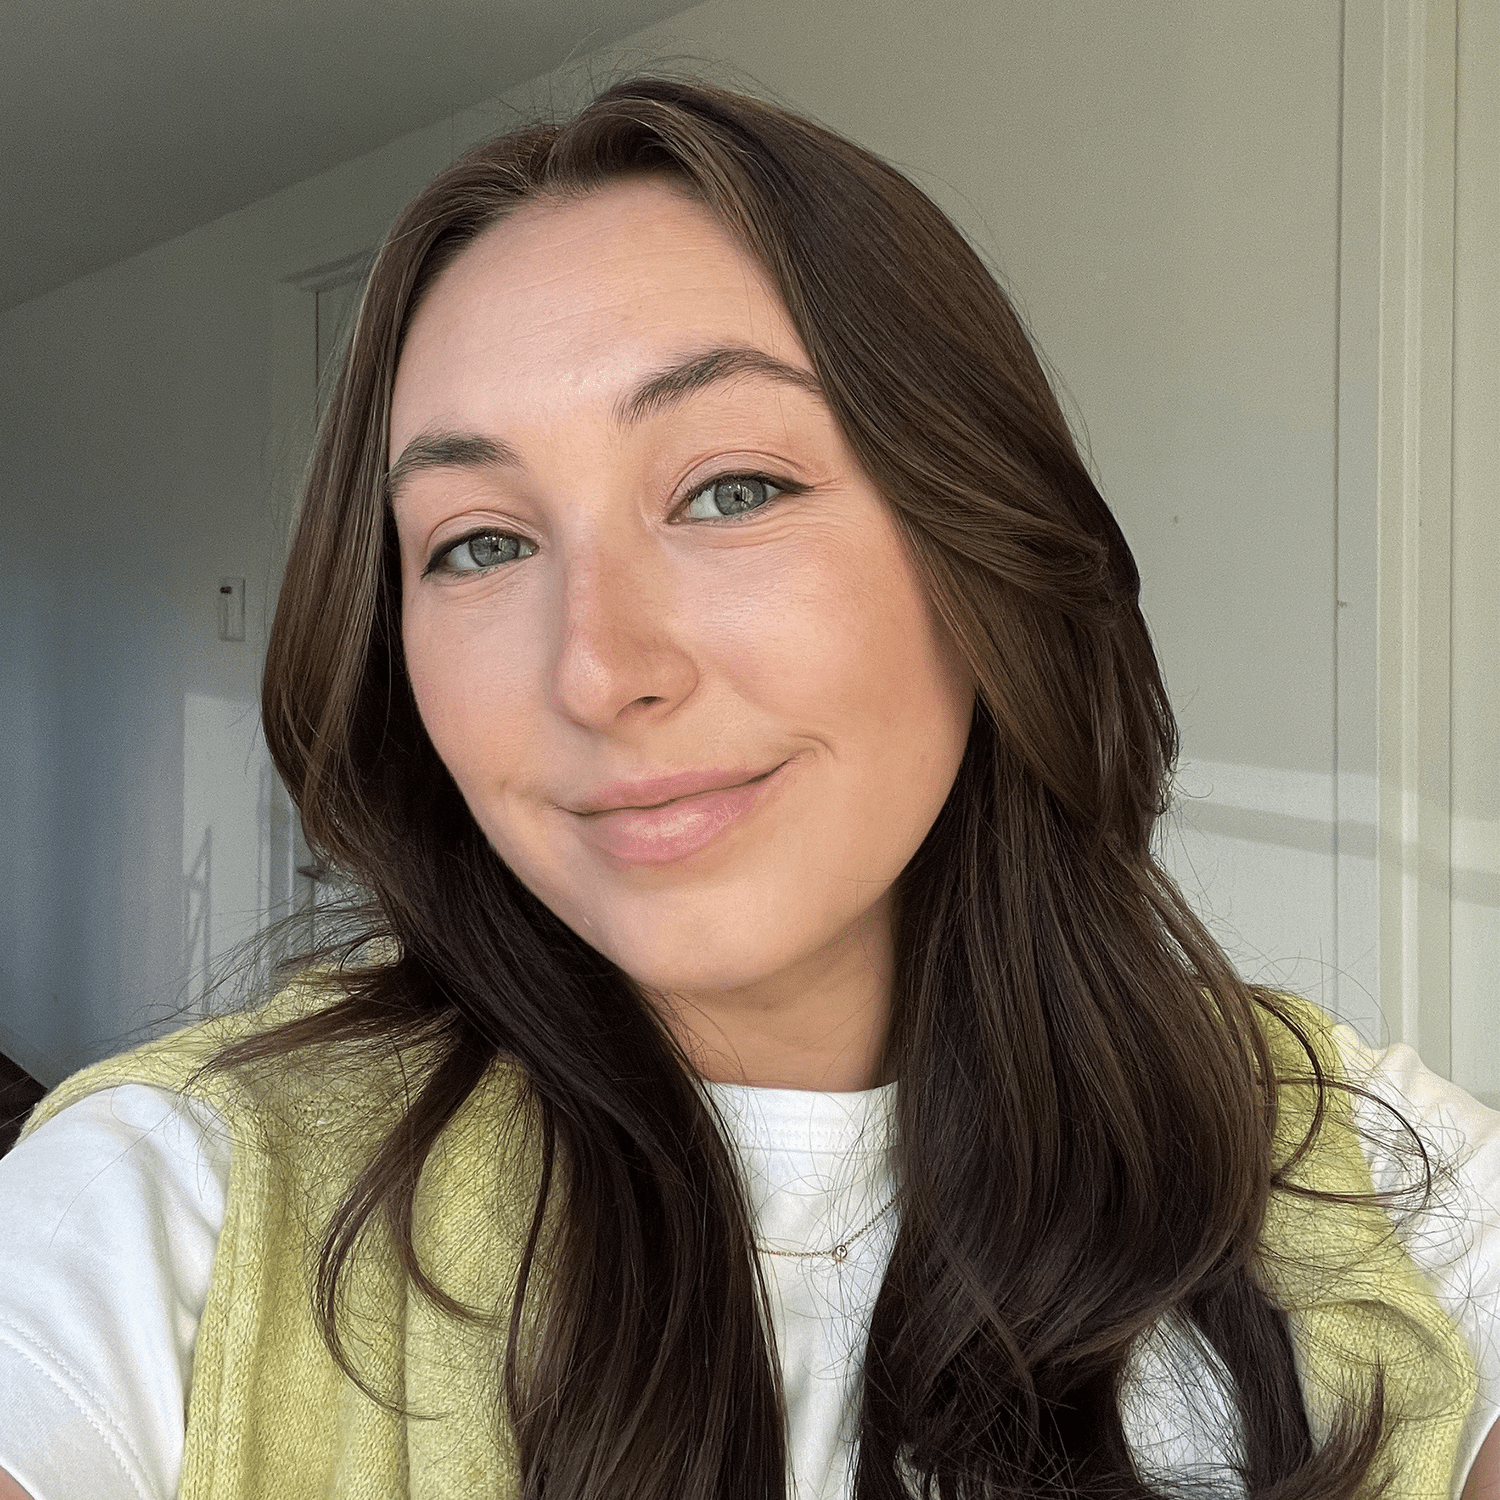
[[231, 609]]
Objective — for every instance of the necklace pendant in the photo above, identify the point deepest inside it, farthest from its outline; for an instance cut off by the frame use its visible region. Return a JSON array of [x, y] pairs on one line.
[[840, 1252]]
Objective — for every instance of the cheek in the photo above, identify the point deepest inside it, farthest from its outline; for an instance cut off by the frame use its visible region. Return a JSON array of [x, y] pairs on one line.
[[860, 641], [456, 682], [428, 673], [855, 656], [906, 693]]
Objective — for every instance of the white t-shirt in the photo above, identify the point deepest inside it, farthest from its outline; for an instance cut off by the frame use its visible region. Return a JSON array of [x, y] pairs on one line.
[[110, 1214]]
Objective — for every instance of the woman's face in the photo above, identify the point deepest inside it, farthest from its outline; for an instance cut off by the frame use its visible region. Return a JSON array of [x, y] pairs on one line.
[[584, 396]]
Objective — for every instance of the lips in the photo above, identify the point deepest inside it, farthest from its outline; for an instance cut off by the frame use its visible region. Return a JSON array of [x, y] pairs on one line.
[[655, 791], [680, 827]]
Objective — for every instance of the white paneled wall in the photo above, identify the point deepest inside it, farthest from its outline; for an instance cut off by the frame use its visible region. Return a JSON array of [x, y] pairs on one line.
[[1475, 557]]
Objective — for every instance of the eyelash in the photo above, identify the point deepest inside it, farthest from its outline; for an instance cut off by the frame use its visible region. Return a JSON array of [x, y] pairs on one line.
[[784, 487]]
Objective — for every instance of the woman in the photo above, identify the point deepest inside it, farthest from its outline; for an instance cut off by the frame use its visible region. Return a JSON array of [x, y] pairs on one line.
[[781, 1066]]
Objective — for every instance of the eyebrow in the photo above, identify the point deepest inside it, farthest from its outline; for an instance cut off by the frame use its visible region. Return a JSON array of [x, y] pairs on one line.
[[463, 450]]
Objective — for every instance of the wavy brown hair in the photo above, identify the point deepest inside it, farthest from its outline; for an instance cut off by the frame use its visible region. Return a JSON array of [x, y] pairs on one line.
[[1085, 1103]]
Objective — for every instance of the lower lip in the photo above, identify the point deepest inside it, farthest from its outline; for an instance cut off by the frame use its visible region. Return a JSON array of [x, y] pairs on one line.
[[659, 835]]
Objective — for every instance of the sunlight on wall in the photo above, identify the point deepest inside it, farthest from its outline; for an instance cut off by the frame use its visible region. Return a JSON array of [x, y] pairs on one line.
[[1282, 866]]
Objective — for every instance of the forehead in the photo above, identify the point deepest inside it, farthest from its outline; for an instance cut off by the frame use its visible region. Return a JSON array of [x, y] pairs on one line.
[[576, 297]]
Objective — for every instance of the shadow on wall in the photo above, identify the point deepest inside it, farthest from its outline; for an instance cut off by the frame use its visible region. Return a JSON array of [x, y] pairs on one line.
[[90, 763], [1285, 863], [240, 845]]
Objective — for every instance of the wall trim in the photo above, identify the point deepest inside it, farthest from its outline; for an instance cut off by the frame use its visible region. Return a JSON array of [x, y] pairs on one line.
[[1396, 505]]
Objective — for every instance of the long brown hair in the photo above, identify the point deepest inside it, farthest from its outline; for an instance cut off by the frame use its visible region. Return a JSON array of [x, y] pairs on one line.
[[1085, 1100]]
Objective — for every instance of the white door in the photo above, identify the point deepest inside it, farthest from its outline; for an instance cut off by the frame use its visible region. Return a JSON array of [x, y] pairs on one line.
[[245, 863]]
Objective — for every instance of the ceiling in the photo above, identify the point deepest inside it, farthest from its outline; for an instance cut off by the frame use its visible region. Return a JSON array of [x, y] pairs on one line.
[[126, 122]]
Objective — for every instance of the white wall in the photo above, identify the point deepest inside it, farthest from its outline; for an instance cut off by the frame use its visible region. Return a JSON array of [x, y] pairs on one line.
[[1158, 184], [139, 462], [1475, 560]]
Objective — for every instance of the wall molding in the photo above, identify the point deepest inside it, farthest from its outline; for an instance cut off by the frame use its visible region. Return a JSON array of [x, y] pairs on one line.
[[1395, 508]]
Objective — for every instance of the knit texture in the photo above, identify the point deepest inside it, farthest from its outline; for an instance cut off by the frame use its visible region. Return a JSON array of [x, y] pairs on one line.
[[271, 1417], [1352, 1294]]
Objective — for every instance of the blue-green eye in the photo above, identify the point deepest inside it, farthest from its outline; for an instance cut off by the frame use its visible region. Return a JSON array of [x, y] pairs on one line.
[[734, 495], [728, 498], [478, 552]]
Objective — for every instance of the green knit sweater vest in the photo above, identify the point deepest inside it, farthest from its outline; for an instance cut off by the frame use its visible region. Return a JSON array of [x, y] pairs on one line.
[[271, 1417]]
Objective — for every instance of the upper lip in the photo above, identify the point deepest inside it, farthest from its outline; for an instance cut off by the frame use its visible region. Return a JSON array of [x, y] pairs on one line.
[[658, 789]]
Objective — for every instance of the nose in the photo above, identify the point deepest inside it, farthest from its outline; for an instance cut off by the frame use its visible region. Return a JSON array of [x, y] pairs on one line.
[[620, 636]]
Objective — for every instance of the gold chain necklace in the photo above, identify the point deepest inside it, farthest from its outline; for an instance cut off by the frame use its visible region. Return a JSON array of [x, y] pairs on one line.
[[839, 1252]]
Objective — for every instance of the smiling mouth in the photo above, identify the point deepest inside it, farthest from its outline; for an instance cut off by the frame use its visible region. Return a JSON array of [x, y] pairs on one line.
[[666, 832], [707, 792], [687, 796]]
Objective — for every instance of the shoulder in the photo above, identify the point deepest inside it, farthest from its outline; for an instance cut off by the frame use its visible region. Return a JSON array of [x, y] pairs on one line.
[[153, 1141], [110, 1217], [1450, 1228], [126, 1171], [1459, 1135], [169, 1063], [321, 1106], [1398, 1094], [302, 1086], [1291, 1024]]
